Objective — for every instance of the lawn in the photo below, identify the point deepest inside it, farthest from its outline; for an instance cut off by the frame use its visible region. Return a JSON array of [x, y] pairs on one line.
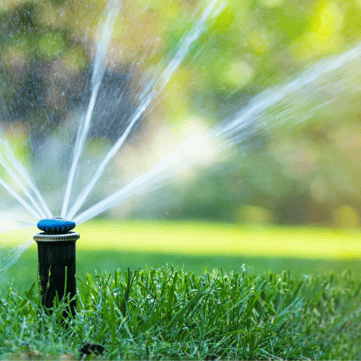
[[110, 245], [273, 296], [169, 314], [203, 238]]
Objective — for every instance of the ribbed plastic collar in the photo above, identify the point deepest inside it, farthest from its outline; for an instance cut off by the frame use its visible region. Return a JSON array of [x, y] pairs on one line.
[[43, 237]]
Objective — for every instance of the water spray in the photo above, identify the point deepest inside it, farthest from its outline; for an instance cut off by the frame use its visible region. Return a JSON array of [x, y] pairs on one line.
[[57, 261]]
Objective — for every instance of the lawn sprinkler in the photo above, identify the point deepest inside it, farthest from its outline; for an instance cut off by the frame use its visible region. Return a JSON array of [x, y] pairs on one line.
[[56, 254]]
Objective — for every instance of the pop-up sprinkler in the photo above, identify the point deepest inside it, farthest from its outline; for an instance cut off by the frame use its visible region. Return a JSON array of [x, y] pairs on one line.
[[56, 253]]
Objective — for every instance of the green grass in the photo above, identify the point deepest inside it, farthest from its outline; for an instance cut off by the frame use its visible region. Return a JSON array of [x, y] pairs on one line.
[[167, 313], [194, 246], [261, 314], [207, 238], [24, 272]]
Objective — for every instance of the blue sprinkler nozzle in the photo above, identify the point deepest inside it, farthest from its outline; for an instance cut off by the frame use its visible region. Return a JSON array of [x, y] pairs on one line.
[[56, 225]]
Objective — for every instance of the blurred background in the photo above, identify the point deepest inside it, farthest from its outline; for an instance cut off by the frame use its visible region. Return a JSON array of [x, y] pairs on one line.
[[298, 168]]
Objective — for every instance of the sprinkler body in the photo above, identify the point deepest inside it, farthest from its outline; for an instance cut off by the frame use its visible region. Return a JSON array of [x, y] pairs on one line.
[[57, 261]]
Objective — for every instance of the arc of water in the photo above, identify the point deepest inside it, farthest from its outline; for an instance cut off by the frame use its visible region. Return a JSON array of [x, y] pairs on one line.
[[9, 257], [174, 162], [78, 149], [17, 219], [18, 198], [17, 227], [270, 97], [20, 168], [113, 9], [19, 183], [153, 90], [242, 120], [83, 196], [97, 77]]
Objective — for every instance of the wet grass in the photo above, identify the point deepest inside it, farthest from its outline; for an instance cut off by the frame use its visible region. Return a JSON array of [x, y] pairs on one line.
[[168, 313]]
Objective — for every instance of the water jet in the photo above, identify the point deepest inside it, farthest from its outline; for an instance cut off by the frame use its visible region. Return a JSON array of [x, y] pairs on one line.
[[297, 100], [57, 260]]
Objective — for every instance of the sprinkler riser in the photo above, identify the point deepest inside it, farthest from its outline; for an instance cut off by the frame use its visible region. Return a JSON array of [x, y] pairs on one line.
[[57, 268]]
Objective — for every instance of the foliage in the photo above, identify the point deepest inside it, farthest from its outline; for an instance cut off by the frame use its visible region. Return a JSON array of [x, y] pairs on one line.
[[166, 313]]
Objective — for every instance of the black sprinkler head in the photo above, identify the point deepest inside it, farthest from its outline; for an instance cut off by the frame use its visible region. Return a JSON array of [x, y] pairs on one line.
[[57, 258], [56, 225]]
